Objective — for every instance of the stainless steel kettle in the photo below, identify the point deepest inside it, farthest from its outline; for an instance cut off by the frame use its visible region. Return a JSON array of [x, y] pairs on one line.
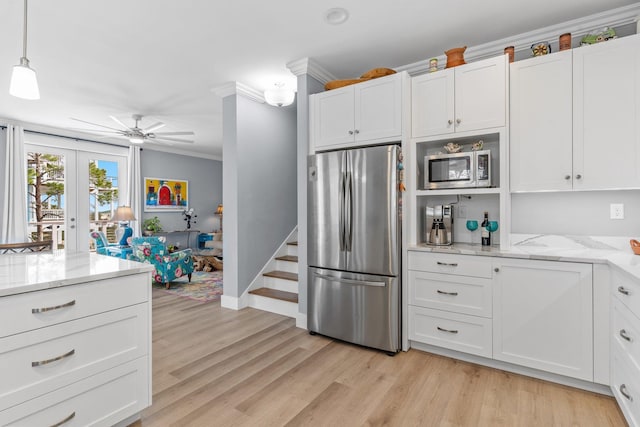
[[438, 234]]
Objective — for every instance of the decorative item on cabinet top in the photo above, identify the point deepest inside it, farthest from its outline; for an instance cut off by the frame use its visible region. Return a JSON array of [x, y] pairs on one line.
[[371, 74], [455, 56], [540, 48], [598, 36]]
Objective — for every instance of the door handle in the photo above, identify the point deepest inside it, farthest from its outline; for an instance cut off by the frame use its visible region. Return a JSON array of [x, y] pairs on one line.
[[55, 359], [447, 293], [55, 307], [625, 335], [623, 291], [625, 393], [453, 264], [66, 420], [341, 211], [350, 281], [349, 213], [451, 331]]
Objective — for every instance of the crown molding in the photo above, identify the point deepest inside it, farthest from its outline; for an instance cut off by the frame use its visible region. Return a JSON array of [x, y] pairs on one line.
[[577, 27], [237, 88], [310, 67]]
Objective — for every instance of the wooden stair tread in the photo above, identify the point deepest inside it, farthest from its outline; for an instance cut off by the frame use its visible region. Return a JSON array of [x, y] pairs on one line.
[[292, 243], [282, 275], [291, 258], [276, 294]]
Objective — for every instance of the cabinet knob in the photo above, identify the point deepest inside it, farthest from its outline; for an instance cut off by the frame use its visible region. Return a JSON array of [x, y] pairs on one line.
[[567, 177], [350, 132], [625, 335], [357, 131], [496, 269], [625, 393], [578, 176], [458, 121], [450, 121], [623, 291]]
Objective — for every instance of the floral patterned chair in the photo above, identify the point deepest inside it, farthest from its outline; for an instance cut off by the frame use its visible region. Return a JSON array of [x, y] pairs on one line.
[[168, 266], [101, 242]]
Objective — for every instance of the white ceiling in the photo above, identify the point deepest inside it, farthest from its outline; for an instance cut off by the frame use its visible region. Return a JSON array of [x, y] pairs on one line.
[[162, 58]]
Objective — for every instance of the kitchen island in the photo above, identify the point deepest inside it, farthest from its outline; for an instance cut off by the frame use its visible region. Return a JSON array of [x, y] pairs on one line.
[[75, 339]]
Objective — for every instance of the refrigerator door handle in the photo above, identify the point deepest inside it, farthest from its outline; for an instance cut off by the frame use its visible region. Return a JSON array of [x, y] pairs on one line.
[[348, 238], [341, 191], [350, 281]]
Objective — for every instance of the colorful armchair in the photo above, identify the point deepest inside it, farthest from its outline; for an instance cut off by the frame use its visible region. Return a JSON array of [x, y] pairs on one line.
[[101, 242], [168, 266]]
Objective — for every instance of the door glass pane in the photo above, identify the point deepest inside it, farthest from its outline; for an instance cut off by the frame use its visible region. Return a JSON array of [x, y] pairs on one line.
[[46, 197], [103, 198]]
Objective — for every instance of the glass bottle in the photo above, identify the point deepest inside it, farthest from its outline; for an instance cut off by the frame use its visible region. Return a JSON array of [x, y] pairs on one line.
[[486, 235]]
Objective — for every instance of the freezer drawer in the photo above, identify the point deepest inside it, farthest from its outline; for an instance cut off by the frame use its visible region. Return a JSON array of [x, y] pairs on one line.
[[358, 308]]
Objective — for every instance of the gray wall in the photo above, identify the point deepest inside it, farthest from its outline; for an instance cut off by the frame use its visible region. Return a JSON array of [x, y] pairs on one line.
[[260, 167], [205, 187], [306, 86], [575, 213]]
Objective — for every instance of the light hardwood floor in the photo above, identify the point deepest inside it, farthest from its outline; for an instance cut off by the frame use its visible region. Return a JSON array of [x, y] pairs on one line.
[[219, 367]]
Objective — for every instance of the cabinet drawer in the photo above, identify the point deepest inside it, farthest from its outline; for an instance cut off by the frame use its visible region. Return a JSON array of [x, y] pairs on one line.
[[36, 362], [101, 400], [626, 332], [459, 294], [462, 265], [71, 302], [469, 334], [626, 289], [625, 384]]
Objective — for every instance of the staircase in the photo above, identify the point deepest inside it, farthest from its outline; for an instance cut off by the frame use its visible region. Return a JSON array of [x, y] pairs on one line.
[[276, 290]]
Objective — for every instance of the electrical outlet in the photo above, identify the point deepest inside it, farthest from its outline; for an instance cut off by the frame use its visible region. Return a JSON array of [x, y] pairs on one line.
[[617, 210]]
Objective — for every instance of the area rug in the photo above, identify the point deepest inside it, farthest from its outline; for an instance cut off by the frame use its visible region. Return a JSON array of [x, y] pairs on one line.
[[204, 286]]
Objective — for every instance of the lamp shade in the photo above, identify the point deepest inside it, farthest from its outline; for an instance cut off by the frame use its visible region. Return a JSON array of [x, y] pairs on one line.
[[24, 83], [123, 213], [279, 96]]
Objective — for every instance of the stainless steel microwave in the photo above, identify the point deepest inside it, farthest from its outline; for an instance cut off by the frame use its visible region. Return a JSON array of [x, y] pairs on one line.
[[458, 170]]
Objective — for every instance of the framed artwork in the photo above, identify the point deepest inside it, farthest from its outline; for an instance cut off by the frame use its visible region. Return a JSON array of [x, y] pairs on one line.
[[165, 195]]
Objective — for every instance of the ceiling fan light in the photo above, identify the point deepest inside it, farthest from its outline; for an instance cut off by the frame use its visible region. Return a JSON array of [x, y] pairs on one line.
[[136, 139], [280, 96], [24, 83]]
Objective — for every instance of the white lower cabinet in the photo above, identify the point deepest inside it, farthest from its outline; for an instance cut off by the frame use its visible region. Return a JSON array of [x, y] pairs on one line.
[[543, 316], [536, 314]]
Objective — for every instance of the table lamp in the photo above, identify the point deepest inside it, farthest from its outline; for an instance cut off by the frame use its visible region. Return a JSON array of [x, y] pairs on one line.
[[219, 212], [123, 215]]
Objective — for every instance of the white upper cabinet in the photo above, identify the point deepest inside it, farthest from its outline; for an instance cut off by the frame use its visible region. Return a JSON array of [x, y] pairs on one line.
[[465, 98], [541, 123], [606, 116], [358, 114]]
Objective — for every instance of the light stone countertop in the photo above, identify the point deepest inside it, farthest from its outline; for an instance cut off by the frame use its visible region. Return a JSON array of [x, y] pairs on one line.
[[614, 251], [21, 273]]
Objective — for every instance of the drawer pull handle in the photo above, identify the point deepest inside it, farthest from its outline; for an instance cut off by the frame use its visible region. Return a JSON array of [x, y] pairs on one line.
[[624, 335], [55, 307], [453, 264], [623, 291], [451, 331], [625, 393], [55, 359], [447, 293], [66, 420]]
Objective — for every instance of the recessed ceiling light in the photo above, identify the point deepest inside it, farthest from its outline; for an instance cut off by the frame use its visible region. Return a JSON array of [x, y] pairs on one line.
[[336, 16]]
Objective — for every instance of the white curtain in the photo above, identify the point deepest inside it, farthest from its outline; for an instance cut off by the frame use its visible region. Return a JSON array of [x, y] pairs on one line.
[[134, 196], [13, 206]]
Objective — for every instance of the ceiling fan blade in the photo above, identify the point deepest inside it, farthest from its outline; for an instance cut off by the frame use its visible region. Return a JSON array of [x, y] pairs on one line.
[[119, 132], [153, 127], [170, 139], [94, 124], [117, 120], [173, 133]]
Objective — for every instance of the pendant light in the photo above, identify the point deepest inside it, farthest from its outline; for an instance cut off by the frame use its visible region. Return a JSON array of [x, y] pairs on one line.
[[23, 80], [280, 96]]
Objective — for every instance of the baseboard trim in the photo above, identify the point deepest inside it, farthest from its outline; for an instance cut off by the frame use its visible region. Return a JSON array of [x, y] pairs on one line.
[[233, 302], [301, 321], [522, 370]]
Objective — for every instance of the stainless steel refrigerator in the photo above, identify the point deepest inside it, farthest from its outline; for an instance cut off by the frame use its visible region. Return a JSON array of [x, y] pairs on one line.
[[354, 246]]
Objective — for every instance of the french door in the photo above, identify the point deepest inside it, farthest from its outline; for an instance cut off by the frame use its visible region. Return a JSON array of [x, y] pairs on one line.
[[73, 188]]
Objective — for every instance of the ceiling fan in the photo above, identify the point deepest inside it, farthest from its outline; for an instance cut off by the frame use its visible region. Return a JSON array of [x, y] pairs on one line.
[[136, 134]]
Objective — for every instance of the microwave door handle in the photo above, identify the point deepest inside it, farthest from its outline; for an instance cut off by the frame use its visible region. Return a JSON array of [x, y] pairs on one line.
[[474, 165]]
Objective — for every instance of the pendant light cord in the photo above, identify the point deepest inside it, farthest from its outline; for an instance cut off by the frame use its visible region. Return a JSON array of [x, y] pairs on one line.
[[24, 36]]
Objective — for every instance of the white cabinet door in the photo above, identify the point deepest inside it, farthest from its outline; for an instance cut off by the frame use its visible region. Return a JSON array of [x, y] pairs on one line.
[[432, 110], [543, 316], [378, 108], [480, 94], [332, 116], [541, 123], [606, 121]]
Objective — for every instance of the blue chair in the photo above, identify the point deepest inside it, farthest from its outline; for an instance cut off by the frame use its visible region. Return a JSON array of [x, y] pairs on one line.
[[101, 242], [168, 266]]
